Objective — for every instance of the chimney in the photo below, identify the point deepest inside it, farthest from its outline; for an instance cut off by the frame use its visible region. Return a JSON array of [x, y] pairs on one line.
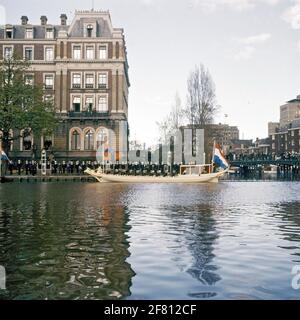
[[44, 20], [24, 20], [63, 19]]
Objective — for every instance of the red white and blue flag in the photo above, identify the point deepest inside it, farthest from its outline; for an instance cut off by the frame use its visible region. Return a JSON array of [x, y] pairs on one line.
[[219, 158]]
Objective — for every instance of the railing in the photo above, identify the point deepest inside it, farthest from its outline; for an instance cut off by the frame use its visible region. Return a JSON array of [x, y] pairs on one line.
[[76, 86], [89, 86], [48, 87], [88, 114]]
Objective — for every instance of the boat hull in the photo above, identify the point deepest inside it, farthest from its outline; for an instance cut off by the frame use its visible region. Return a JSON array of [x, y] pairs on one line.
[[204, 178]]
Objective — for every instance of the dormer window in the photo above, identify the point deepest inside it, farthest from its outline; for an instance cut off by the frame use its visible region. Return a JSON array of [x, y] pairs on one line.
[[49, 33], [9, 33], [29, 33], [89, 31]]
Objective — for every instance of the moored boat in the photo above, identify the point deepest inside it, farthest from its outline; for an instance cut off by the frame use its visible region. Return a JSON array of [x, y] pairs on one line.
[[188, 173]]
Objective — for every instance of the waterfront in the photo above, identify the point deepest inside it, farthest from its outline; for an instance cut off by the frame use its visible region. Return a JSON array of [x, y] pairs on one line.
[[110, 241]]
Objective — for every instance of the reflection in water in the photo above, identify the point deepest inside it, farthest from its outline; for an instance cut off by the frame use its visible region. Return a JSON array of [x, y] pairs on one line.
[[289, 213], [70, 245], [102, 241], [201, 241]]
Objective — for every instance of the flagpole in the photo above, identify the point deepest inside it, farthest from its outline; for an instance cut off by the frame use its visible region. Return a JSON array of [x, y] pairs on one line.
[[212, 158]]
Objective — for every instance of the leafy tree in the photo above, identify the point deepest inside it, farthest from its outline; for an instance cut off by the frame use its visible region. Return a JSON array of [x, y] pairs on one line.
[[22, 105]]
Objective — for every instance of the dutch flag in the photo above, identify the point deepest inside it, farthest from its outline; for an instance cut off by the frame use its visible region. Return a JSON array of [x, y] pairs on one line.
[[4, 156], [219, 158]]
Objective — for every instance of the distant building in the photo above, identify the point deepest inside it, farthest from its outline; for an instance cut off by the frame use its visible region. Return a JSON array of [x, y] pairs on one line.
[[222, 134], [240, 146], [290, 111], [286, 139], [272, 127]]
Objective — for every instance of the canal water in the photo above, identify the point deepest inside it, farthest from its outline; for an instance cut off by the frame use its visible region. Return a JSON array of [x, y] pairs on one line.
[[232, 240]]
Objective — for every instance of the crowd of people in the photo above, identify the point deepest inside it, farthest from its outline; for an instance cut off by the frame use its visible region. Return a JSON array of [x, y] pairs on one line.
[[31, 167], [260, 156]]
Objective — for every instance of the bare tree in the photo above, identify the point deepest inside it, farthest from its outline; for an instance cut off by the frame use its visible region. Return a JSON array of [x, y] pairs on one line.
[[201, 98], [172, 122]]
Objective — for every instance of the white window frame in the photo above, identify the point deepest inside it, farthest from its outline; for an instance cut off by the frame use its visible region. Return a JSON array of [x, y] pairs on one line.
[[80, 135], [98, 104], [85, 51], [85, 78], [98, 79], [24, 51], [87, 96], [46, 32], [45, 50], [99, 51], [81, 53], [11, 29], [75, 95], [12, 51], [72, 77], [29, 74], [26, 34], [45, 75], [94, 29]]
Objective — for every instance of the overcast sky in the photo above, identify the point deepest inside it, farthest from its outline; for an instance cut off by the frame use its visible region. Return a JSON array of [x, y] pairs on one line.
[[251, 47]]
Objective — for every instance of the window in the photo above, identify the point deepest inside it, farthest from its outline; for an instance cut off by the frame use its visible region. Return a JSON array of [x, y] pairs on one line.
[[89, 140], [28, 53], [49, 33], [102, 138], [49, 54], [29, 33], [103, 52], [29, 79], [75, 140], [102, 81], [49, 81], [77, 52], [76, 82], [89, 104], [76, 104], [90, 52], [89, 31], [89, 81], [292, 133], [27, 143], [8, 52], [102, 105], [47, 142], [9, 33]]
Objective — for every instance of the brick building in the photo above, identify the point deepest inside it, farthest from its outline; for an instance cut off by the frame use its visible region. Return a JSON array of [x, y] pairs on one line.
[[286, 139], [83, 68]]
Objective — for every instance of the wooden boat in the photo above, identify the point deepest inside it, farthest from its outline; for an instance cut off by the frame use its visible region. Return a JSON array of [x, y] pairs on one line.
[[186, 176]]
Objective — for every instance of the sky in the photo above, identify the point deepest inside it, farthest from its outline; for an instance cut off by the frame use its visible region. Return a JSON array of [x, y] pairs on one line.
[[251, 48]]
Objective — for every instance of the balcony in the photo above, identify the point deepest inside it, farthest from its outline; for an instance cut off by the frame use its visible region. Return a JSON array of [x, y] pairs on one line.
[[89, 86], [88, 115], [102, 86], [76, 85], [48, 87]]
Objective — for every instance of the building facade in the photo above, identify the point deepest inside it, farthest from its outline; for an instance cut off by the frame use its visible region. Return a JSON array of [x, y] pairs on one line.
[[290, 111], [83, 68], [286, 139]]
